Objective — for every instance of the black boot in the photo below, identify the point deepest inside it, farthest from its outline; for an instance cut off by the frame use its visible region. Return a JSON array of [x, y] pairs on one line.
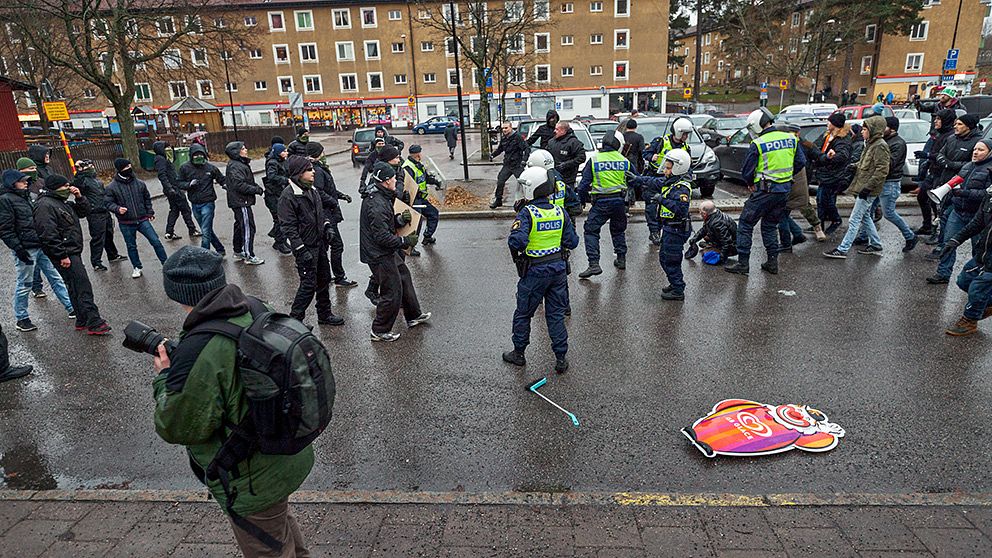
[[621, 261], [739, 267], [561, 365], [672, 294], [771, 266], [515, 357], [593, 269]]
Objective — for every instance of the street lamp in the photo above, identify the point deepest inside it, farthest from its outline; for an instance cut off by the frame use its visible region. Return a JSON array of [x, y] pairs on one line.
[[458, 78]]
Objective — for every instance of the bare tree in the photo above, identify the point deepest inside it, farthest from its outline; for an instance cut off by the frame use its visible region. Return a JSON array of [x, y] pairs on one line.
[[111, 43]]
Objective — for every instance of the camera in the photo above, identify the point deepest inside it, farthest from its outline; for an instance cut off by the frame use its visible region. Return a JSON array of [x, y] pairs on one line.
[[142, 338]]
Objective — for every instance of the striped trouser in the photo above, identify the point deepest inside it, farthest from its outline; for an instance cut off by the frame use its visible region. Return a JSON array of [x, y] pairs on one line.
[[244, 231]]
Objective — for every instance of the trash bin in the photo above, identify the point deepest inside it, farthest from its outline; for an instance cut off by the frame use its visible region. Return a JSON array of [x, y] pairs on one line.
[[146, 159], [180, 156]]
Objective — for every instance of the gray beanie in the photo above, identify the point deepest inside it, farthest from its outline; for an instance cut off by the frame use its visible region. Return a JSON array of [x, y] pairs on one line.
[[191, 273]]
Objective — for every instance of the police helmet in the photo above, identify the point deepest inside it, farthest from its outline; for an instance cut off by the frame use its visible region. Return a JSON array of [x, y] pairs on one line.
[[681, 126], [612, 140], [758, 119], [541, 159], [532, 180], [681, 161]]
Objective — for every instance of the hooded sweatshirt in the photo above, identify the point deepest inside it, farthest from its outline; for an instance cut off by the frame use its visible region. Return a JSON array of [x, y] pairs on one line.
[[37, 154], [875, 161], [545, 132], [166, 170], [17, 219], [198, 180], [239, 180]]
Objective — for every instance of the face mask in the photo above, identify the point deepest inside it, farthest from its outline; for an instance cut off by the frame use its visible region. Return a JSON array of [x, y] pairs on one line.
[[32, 174], [304, 139], [199, 160], [126, 173], [305, 184], [62, 194], [323, 160]]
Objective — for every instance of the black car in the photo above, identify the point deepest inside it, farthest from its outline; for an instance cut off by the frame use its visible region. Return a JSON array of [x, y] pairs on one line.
[[732, 152], [721, 127], [361, 143], [705, 167]]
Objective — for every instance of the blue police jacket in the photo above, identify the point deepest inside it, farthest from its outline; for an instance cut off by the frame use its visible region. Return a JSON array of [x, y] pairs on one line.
[[677, 200], [751, 164], [520, 236]]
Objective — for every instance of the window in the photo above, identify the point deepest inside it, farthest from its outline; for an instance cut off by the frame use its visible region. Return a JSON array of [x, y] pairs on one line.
[[430, 78], [308, 52], [177, 90], [706, 58], [311, 84], [251, 21], [596, 103], [341, 18], [346, 51], [166, 26], [706, 76], [372, 50], [368, 18], [542, 73], [621, 8], [285, 85], [399, 79], [446, 13], [255, 54], [304, 20], [866, 65], [193, 24], [567, 71], [260, 86], [231, 87], [100, 29], [450, 47], [398, 48], [620, 70], [595, 70], [567, 8], [280, 53], [265, 118], [89, 93], [453, 78], [226, 55], [919, 31], [719, 65], [542, 10], [709, 39], [595, 7], [513, 10], [142, 92], [205, 89], [375, 81], [927, 4], [395, 15], [172, 59], [870, 32], [275, 22], [914, 62], [516, 74], [219, 23], [621, 39], [516, 44], [427, 46], [423, 14], [431, 110], [596, 39], [795, 19], [199, 56], [567, 40], [349, 83], [542, 42], [568, 104]]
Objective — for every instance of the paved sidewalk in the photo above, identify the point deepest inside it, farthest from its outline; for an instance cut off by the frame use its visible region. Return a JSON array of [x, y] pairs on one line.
[[50, 528]]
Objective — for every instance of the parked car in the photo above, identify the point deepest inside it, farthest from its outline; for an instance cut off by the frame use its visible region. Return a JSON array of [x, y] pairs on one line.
[[916, 134], [731, 154], [361, 144], [799, 117], [719, 128], [705, 165], [906, 113], [435, 125], [599, 127], [516, 119], [588, 144], [816, 109], [858, 111], [978, 104]]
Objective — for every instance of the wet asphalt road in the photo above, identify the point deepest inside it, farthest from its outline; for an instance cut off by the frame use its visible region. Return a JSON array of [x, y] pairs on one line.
[[861, 339]]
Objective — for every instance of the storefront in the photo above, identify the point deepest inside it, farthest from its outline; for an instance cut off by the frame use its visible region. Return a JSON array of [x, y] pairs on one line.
[[338, 115]]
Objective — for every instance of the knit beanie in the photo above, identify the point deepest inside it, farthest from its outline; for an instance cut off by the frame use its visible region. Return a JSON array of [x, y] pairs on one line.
[[191, 273], [120, 163], [892, 122], [837, 119], [314, 149], [388, 153], [25, 162], [969, 120], [10, 176], [277, 139], [297, 165], [301, 131], [986, 141], [54, 182], [277, 149], [382, 171]]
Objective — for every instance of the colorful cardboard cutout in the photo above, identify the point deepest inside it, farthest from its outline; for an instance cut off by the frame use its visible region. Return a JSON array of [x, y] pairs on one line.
[[743, 428]]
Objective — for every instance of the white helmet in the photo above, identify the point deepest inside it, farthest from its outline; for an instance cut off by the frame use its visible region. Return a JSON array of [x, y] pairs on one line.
[[531, 179], [681, 161], [758, 119], [541, 158], [681, 126]]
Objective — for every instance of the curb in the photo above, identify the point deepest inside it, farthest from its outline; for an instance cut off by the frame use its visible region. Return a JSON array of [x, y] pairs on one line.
[[636, 499]]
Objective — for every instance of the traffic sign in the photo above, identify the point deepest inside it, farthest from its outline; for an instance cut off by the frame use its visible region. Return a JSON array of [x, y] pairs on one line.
[[56, 111], [687, 93], [764, 85], [411, 101], [783, 85], [952, 54], [763, 95], [983, 84], [951, 64], [947, 77]]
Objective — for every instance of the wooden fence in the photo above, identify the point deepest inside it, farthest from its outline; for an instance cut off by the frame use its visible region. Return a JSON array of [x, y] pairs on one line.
[[252, 137], [102, 155]]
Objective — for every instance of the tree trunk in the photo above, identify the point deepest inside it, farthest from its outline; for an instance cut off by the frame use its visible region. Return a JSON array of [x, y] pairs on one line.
[[848, 60], [484, 116], [128, 140], [38, 100]]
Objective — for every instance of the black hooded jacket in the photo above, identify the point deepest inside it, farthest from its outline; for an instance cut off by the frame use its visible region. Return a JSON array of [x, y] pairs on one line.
[[953, 155], [967, 198], [239, 180], [514, 150], [302, 218], [57, 224], [130, 193], [275, 178], [166, 170], [324, 182], [390, 140], [377, 237], [17, 219], [198, 180], [93, 189], [980, 226], [545, 132], [37, 154], [569, 153]]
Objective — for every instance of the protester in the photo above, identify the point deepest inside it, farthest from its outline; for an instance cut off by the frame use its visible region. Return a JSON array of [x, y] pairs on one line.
[[633, 150], [390, 141], [789, 232], [514, 150], [41, 155], [8, 371], [29, 167], [197, 178], [330, 198], [170, 187], [942, 128], [947, 99], [893, 182], [952, 156], [378, 144], [451, 138], [129, 199], [719, 233], [241, 192], [99, 221], [976, 277], [56, 220], [544, 133], [569, 154], [17, 230], [275, 181], [299, 145]]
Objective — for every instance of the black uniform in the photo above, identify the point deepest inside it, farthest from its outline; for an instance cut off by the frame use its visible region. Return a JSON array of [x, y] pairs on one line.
[[275, 181], [241, 192], [301, 218], [331, 199], [170, 187], [99, 221]]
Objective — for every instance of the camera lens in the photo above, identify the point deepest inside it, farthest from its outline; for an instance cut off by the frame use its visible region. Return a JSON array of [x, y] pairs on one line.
[[141, 338]]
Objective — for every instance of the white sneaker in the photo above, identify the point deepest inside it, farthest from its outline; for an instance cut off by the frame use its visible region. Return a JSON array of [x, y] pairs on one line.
[[254, 260], [387, 337], [136, 273], [418, 320]]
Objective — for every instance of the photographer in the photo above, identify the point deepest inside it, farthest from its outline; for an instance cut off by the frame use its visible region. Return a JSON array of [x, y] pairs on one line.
[[199, 397], [301, 217]]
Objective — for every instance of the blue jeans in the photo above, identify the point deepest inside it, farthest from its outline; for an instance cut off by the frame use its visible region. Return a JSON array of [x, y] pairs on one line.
[[670, 258], [613, 210], [890, 193], [430, 213], [788, 229], [955, 222], [826, 205], [204, 214], [25, 274], [769, 208], [977, 282], [861, 216], [130, 234], [532, 289], [863, 232]]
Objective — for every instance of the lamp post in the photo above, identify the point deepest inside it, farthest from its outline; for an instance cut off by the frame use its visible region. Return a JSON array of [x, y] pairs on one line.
[[227, 84], [458, 77]]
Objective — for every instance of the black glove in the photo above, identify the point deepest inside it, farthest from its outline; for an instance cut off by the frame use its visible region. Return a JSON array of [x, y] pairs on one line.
[[328, 233], [411, 239], [519, 204], [863, 194], [303, 257], [941, 160], [692, 251], [24, 256], [919, 154], [405, 218], [346, 198], [949, 247]]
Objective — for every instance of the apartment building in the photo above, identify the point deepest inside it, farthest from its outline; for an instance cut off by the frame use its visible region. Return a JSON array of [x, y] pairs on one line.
[[371, 62], [717, 67]]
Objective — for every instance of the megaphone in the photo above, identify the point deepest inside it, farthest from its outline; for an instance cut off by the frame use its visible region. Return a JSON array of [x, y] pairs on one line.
[[937, 194]]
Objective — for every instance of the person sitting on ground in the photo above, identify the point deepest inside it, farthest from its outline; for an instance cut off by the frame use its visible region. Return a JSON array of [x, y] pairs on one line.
[[718, 233]]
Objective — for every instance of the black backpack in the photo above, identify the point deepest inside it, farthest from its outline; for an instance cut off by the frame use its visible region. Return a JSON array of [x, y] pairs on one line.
[[288, 382]]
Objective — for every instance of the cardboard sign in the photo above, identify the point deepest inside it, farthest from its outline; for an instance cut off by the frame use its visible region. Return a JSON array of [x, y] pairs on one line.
[[413, 225], [741, 427]]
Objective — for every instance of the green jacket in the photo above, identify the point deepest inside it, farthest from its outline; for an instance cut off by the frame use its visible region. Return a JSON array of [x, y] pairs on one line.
[[201, 391], [875, 160]]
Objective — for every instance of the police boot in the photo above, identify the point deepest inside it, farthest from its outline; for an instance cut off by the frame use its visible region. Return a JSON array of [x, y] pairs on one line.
[[621, 261], [515, 357], [561, 365], [593, 269], [739, 267], [771, 266], [655, 238]]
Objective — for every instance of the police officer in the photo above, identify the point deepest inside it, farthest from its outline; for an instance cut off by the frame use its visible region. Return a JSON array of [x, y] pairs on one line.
[[678, 138], [675, 190], [544, 160], [539, 239], [416, 171], [604, 182], [771, 161]]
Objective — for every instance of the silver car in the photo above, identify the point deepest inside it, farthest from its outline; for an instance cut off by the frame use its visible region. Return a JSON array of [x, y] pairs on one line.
[[916, 133]]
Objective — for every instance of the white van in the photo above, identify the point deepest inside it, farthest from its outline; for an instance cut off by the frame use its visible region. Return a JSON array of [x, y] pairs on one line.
[[817, 109]]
